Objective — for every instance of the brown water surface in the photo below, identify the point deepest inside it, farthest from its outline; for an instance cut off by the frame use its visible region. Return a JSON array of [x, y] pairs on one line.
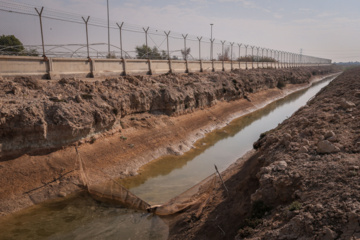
[[80, 217]]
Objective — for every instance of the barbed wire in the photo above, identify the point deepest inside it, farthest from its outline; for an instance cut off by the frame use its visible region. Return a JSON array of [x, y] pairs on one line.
[[58, 15]]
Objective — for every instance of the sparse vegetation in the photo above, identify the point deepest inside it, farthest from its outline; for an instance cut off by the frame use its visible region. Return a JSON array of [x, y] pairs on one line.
[[122, 124], [111, 55], [87, 96], [186, 53], [144, 52], [225, 56], [258, 211], [92, 139], [246, 232], [123, 138], [281, 84], [250, 58], [115, 111], [295, 206]]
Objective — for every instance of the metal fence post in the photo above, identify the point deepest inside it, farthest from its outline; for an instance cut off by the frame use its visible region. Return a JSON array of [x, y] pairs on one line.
[[168, 50], [239, 55], [274, 57], [199, 47], [231, 54], [222, 54], [283, 57], [246, 62], [240, 50], [185, 52], [146, 42], [201, 65], [212, 59], [252, 57], [121, 49], [87, 36], [41, 29], [267, 57]]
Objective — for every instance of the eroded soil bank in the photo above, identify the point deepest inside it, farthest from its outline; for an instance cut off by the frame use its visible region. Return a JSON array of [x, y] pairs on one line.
[[301, 182], [37, 115], [120, 124]]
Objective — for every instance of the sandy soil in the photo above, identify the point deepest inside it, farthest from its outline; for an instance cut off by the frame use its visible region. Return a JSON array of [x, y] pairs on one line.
[[301, 182]]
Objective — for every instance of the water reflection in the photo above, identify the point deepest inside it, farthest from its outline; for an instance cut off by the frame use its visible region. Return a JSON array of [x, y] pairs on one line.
[[80, 217], [160, 180]]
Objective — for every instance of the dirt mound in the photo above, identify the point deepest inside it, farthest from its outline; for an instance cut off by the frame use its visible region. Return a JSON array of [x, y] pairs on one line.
[[302, 182], [38, 116]]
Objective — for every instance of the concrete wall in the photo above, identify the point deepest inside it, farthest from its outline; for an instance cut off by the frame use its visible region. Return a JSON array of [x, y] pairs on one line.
[[160, 66], [137, 66], [69, 66], [194, 66], [105, 67], [178, 66], [55, 68], [12, 66], [227, 66], [207, 66]]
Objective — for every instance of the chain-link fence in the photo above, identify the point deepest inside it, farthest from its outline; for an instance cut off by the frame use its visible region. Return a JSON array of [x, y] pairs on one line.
[[77, 36]]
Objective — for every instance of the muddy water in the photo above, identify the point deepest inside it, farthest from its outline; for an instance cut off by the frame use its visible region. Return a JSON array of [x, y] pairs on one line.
[[169, 176], [80, 217]]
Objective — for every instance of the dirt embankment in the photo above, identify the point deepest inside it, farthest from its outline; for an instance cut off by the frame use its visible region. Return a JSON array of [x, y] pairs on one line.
[[39, 116], [302, 182]]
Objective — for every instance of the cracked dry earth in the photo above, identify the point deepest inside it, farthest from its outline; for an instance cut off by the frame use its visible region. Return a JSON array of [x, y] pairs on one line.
[[303, 177]]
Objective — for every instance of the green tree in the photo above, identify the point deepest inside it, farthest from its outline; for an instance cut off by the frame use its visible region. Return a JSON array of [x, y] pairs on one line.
[[144, 52], [10, 45], [111, 55], [30, 52]]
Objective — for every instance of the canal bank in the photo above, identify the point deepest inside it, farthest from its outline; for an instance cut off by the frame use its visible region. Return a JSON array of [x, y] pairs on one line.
[[75, 219], [140, 137], [300, 183]]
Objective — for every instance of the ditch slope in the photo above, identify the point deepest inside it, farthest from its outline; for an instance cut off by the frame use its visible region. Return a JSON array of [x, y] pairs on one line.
[[301, 182], [118, 124]]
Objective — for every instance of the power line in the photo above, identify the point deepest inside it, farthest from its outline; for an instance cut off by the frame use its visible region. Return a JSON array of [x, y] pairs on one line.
[[54, 14]]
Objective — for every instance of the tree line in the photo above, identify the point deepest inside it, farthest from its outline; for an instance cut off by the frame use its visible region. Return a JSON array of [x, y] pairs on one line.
[[10, 45]]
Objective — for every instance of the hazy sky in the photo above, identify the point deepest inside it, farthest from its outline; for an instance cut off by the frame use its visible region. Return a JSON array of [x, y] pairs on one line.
[[323, 28]]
